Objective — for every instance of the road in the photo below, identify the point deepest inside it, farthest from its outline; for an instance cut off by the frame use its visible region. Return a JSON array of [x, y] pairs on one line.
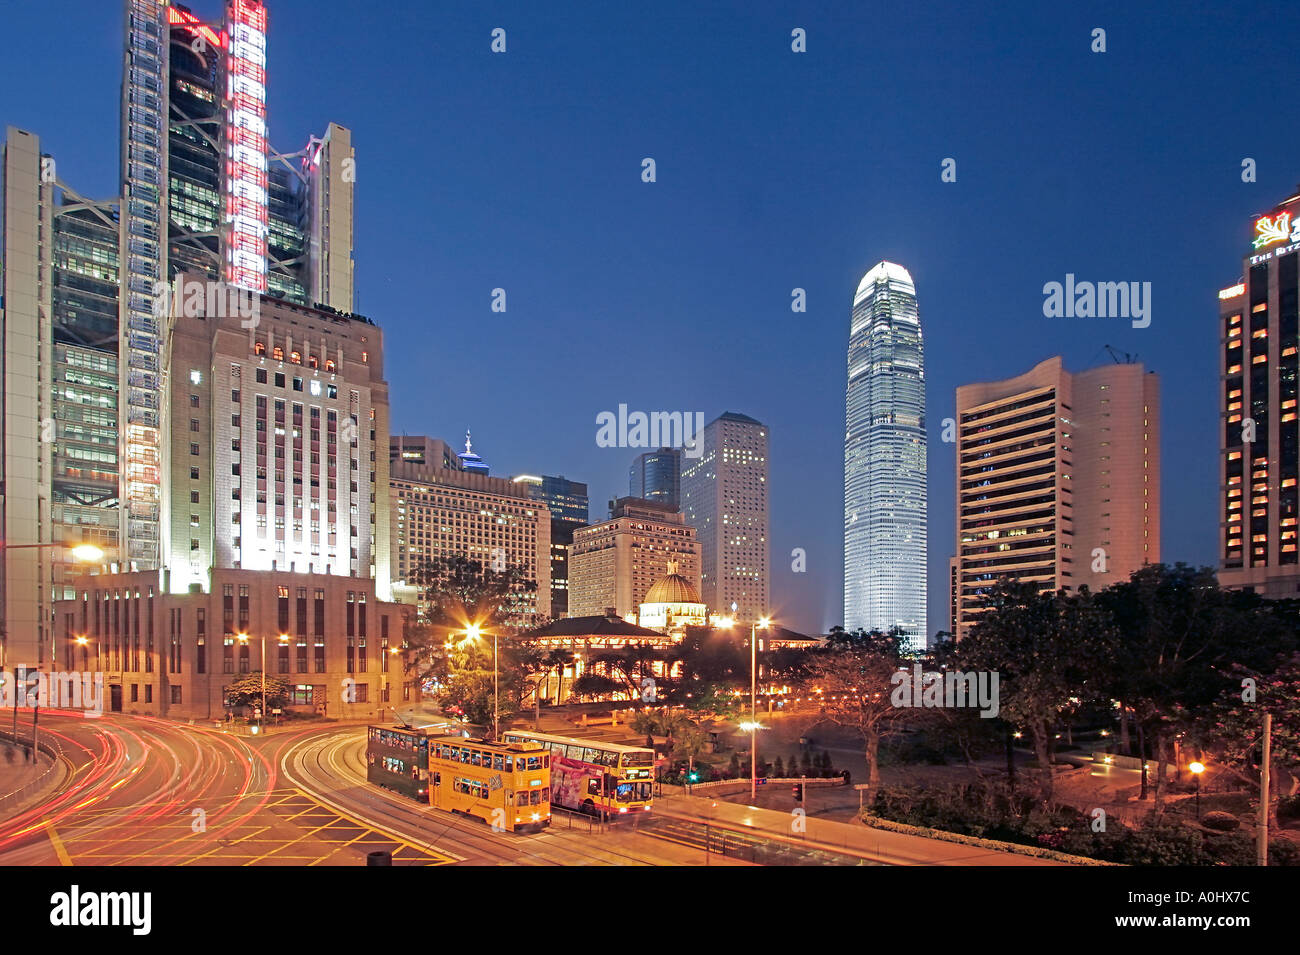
[[143, 791]]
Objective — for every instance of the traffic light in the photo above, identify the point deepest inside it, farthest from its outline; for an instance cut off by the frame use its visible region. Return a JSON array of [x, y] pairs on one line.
[[798, 792], [694, 777]]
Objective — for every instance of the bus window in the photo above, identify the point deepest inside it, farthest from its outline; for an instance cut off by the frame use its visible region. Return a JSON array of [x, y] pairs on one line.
[[593, 787], [590, 755], [560, 750]]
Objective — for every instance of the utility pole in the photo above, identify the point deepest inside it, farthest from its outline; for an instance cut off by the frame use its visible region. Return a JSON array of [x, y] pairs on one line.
[[1261, 844]]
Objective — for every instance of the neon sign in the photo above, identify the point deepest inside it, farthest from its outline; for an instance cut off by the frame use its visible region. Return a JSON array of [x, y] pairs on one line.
[[1278, 228], [246, 181]]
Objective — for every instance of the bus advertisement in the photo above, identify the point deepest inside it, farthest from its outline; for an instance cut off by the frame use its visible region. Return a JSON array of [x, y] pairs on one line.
[[607, 779]]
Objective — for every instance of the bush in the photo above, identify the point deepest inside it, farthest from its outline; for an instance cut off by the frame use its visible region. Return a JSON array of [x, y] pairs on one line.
[[1221, 821], [1162, 845]]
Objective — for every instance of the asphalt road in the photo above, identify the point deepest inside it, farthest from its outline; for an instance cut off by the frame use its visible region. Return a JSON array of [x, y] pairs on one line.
[[142, 791]]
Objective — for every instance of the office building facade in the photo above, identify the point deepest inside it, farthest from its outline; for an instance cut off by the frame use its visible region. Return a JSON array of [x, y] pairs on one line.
[[1259, 468], [567, 502], [439, 510], [657, 476], [725, 498], [885, 498], [1058, 481], [613, 563]]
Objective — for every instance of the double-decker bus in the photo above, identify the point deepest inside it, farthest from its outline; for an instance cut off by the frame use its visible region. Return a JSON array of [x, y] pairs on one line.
[[507, 784], [606, 779]]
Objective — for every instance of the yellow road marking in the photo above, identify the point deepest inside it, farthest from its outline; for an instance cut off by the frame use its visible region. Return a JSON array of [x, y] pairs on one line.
[[59, 850]]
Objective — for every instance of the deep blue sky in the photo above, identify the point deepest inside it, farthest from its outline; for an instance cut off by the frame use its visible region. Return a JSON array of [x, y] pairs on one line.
[[775, 170]]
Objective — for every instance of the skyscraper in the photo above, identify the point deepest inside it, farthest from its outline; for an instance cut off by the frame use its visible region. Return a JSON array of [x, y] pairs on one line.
[[1260, 420], [657, 476], [85, 282], [885, 459], [724, 496], [567, 502], [205, 193], [1058, 481]]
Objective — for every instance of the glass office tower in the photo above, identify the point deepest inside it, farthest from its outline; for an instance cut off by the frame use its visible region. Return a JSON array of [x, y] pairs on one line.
[[884, 459]]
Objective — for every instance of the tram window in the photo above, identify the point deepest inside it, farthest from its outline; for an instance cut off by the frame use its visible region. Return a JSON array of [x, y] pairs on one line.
[[437, 779], [546, 794], [498, 762], [546, 762], [510, 764], [522, 800]]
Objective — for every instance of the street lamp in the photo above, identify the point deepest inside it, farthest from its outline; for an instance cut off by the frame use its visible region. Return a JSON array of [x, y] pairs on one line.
[[761, 624], [474, 632], [243, 638], [1197, 768]]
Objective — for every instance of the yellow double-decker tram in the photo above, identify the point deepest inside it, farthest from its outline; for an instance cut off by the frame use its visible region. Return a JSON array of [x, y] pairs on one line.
[[508, 785]]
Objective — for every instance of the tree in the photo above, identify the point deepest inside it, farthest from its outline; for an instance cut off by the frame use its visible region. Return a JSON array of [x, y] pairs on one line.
[[247, 691], [854, 673], [1236, 729], [1047, 649], [593, 685], [558, 660], [1179, 635], [689, 741], [459, 591], [779, 769]]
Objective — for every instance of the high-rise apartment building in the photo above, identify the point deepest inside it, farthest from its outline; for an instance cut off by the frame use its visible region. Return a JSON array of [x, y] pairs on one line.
[[440, 510], [657, 476], [1058, 480], [567, 502], [1259, 432], [724, 496], [613, 563], [885, 506]]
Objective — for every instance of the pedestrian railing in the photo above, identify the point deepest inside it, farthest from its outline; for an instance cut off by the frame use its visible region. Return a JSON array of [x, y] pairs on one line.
[[32, 787]]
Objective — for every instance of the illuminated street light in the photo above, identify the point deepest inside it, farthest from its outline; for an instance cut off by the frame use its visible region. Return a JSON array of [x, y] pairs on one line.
[[1197, 767]]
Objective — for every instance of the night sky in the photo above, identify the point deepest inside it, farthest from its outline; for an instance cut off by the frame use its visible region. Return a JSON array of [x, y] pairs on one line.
[[776, 170]]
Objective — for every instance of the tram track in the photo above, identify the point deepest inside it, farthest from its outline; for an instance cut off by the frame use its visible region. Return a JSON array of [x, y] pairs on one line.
[[318, 764]]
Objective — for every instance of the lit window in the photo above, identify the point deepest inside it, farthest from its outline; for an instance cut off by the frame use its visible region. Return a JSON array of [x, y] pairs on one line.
[[196, 377]]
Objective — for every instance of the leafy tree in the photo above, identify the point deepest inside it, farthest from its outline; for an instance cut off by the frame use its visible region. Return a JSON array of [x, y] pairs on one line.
[[558, 660], [689, 741], [593, 685], [1236, 730], [247, 691], [1179, 635], [853, 672], [1047, 650]]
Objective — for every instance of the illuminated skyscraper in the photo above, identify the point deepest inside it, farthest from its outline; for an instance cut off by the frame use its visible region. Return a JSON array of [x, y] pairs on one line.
[[884, 459], [724, 495], [657, 476], [1259, 430]]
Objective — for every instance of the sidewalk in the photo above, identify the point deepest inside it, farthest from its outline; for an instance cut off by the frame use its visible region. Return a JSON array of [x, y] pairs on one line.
[[23, 783], [855, 839]]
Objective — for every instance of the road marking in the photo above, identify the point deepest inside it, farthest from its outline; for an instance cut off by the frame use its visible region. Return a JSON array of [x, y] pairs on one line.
[[59, 850]]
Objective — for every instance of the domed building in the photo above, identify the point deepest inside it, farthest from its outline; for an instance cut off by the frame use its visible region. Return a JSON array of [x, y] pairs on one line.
[[672, 604]]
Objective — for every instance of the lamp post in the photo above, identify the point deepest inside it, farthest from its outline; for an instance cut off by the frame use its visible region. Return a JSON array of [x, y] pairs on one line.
[[82, 554], [474, 631], [1197, 768], [243, 638]]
